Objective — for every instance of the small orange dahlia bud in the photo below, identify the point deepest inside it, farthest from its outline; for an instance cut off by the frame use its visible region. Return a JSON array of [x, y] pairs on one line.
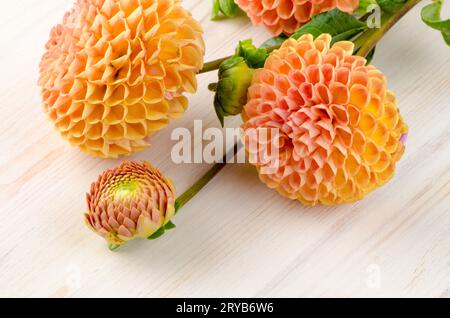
[[131, 201], [115, 71], [340, 132], [286, 16]]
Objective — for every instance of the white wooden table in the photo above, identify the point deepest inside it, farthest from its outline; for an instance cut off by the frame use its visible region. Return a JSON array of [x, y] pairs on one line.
[[237, 237]]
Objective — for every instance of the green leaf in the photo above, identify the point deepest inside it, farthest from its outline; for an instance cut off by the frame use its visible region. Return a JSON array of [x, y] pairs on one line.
[[225, 8], [170, 226], [253, 56], [340, 25], [391, 5], [157, 234], [431, 15]]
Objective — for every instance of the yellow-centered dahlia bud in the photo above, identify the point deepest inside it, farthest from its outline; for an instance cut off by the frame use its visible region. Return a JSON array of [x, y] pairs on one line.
[[115, 71], [340, 132], [286, 16], [131, 201]]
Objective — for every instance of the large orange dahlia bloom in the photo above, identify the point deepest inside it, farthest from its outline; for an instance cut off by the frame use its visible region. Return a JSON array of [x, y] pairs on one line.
[[286, 16], [340, 131], [115, 71], [131, 201]]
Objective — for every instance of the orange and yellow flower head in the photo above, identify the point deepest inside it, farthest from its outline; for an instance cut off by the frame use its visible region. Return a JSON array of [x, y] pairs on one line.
[[286, 16], [115, 71], [131, 201], [340, 132]]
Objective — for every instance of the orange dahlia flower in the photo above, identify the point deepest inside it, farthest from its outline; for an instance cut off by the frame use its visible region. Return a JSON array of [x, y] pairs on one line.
[[340, 133], [286, 16], [133, 200], [115, 71]]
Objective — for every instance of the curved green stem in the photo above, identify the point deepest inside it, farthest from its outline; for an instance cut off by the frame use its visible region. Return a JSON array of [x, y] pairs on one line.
[[369, 39], [213, 65], [197, 186], [193, 190], [205, 179]]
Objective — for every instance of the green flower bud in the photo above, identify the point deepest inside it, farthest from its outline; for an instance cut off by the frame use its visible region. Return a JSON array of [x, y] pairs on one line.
[[235, 77]]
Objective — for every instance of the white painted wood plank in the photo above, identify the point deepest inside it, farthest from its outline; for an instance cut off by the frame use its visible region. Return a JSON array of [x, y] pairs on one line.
[[236, 238]]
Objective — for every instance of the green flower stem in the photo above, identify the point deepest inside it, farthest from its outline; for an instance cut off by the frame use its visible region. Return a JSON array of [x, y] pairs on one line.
[[205, 179], [193, 190], [197, 186], [214, 65], [369, 39]]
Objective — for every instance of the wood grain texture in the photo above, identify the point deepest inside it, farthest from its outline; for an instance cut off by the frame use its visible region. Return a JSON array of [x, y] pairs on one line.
[[236, 238]]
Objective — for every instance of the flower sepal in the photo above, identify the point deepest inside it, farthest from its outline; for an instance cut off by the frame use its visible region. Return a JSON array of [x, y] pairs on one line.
[[162, 230], [112, 247], [253, 56]]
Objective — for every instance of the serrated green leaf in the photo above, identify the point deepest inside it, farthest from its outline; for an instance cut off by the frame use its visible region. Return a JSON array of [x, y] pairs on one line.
[[431, 15], [338, 24], [157, 234], [170, 226], [391, 5]]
